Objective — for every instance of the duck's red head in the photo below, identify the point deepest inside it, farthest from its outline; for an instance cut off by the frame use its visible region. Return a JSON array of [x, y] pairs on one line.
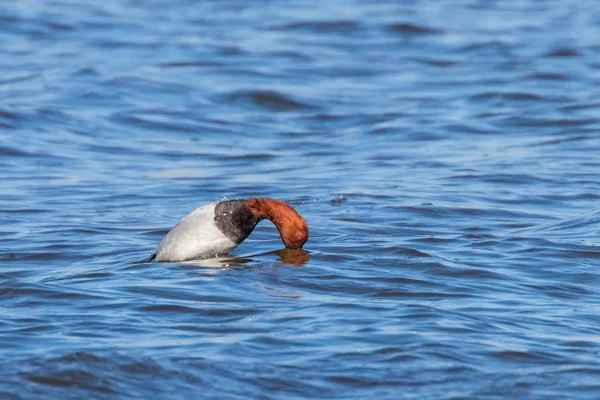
[[294, 233]]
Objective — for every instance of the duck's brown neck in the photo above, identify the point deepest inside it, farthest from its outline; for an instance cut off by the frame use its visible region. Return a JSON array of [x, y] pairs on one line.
[[292, 227], [269, 208]]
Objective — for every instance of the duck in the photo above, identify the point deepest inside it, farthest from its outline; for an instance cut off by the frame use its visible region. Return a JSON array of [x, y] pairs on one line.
[[217, 228]]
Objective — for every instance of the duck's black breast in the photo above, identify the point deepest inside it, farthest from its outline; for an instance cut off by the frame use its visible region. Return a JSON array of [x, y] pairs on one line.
[[235, 220]]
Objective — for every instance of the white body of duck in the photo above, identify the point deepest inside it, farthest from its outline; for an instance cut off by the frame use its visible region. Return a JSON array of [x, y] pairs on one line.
[[195, 236]]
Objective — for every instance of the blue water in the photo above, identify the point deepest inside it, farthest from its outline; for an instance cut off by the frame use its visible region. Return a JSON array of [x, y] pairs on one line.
[[444, 154]]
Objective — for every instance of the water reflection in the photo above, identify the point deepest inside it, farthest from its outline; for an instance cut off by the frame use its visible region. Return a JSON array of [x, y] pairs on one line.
[[223, 261], [297, 257]]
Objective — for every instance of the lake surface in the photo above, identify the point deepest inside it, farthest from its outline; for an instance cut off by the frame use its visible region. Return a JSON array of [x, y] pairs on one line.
[[445, 156]]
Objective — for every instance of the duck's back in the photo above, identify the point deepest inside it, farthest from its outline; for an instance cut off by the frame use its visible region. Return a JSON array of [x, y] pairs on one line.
[[195, 236]]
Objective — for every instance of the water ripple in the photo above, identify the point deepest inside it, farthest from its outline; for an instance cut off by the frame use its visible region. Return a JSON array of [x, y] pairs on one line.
[[443, 154]]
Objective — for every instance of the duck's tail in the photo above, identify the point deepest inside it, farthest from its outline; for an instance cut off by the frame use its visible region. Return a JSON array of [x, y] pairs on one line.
[[146, 260]]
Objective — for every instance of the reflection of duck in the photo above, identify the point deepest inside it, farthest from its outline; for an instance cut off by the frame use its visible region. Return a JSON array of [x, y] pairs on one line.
[[218, 228], [220, 261], [293, 257]]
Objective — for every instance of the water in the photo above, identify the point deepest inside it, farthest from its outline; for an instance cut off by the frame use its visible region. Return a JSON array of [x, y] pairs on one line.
[[444, 154]]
